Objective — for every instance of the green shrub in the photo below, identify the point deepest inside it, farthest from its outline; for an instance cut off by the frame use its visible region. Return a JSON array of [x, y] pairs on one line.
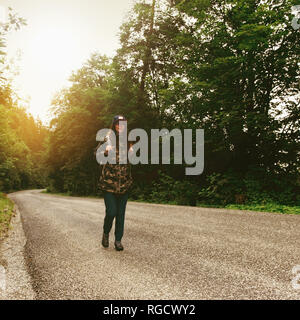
[[166, 189], [6, 207]]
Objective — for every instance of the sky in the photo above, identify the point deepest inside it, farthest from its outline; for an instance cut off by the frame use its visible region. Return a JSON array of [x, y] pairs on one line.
[[59, 37]]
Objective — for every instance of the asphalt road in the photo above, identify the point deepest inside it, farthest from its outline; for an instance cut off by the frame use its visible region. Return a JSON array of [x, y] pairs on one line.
[[171, 252]]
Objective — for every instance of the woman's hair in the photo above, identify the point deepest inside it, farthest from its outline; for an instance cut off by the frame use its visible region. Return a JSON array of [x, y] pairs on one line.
[[113, 128], [115, 120]]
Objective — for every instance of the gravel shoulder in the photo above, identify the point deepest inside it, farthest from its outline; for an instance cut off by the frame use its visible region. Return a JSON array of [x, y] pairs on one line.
[[16, 281]]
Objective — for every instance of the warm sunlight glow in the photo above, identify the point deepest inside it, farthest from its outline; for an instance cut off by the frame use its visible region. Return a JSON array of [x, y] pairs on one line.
[[50, 57], [59, 37], [51, 48], [2, 14]]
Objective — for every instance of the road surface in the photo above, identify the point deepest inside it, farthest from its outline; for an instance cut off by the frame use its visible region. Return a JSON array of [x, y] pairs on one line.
[[171, 252]]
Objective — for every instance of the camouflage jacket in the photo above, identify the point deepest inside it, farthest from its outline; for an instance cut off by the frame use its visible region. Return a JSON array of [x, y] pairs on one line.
[[117, 177]]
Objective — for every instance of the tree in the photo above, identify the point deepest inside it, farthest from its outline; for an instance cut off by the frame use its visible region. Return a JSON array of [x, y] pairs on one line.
[[21, 137]]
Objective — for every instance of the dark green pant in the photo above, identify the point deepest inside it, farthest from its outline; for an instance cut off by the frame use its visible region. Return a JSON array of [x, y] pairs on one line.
[[115, 208]]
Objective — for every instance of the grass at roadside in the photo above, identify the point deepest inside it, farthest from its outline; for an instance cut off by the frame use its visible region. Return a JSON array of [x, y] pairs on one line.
[[6, 211], [267, 207]]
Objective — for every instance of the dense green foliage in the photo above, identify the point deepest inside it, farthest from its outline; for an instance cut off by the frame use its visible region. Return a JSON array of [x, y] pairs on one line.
[[230, 67], [21, 137]]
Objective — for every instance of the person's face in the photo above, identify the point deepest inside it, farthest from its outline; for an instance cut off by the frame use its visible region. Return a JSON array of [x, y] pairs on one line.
[[120, 126]]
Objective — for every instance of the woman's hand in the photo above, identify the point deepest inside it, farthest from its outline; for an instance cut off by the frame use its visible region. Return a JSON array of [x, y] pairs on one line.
[[107, 149], [130, 147]]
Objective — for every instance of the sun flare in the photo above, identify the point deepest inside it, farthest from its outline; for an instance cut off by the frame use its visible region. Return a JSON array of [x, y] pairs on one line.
[[52, 48]]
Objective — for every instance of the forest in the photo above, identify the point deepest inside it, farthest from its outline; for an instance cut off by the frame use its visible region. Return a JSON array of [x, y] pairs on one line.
[[230, 67]]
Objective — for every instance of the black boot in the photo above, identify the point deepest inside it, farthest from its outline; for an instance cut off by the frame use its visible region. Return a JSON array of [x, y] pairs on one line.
[[118, 246], [105, 240]]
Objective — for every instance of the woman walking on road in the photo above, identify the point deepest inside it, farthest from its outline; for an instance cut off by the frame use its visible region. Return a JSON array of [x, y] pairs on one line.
[[115, 182]]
